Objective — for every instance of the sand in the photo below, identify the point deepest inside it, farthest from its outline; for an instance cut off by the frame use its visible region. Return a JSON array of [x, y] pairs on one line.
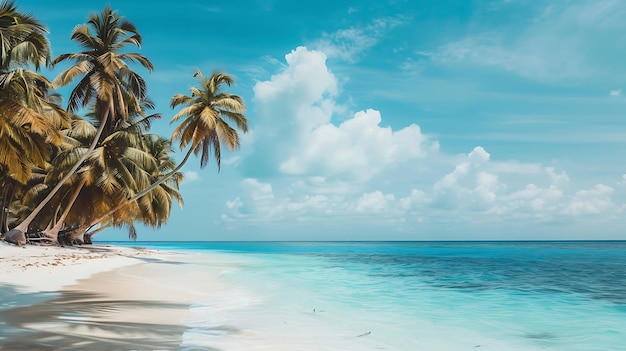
[[97, 298], [43, 268]]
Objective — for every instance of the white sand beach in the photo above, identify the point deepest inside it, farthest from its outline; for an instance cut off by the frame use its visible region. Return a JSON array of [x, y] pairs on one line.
[[97, 297], [48, 268]]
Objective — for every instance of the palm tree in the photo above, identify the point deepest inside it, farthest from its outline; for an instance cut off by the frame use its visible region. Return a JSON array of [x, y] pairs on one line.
[[22, 39], [29, 119], [205, 115], [125, 162], [25, 131], [153, 209], [120, 166], [107, 83]]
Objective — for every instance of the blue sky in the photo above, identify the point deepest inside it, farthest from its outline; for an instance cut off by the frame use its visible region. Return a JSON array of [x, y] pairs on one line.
[[398, 120]]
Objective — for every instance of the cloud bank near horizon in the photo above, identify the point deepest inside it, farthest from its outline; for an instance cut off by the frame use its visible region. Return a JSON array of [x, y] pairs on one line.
[[329, 164]]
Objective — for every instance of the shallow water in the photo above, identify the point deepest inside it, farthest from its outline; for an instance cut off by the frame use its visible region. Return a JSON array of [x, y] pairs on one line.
[[408, 296]]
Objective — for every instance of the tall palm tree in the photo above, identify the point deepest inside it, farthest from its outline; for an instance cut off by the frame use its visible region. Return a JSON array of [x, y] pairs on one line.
[[107, 83], [204, 126]]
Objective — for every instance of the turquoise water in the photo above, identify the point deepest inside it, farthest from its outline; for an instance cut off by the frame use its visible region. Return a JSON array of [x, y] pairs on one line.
[[413, 296]]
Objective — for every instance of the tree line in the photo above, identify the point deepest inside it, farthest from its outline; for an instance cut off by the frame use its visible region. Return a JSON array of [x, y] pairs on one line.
[[66, 173]]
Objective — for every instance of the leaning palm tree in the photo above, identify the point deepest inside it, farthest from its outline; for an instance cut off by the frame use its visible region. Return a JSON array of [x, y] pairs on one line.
[[124, 163], [153, 209], [107, 83], [204, 127], [121, 163]]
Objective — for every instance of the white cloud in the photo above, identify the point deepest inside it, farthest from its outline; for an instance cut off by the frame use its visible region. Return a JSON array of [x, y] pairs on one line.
[[337, 172], [358, 148], [259, 192], [557, 177], [299, 97], [593, 201], [545, 58], [469, 185], [311, 203], [414, 201], [530, 202], [297, 106], [615, 93], [348, 44], [191, 176], [235, 204], [374, 202], [553, 47]]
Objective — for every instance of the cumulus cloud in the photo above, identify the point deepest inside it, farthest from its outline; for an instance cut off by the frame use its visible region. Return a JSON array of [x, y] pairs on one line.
[[592, 201], [374, 202], [530, 202], [469, 184], [413, 201], [358, 148], [329, 166], [297, 106]]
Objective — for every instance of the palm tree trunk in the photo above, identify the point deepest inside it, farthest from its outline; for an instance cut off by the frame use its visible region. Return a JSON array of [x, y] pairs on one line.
[[87, 236], [73, 236], [4, 216], [16, 235], [53, 233], [145, 191]]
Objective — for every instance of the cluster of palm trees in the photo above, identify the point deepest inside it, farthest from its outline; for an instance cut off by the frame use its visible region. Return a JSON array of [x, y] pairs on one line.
[[68, 173]]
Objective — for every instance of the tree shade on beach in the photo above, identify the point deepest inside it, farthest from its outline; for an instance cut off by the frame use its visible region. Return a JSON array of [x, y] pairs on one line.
[[66, 174]]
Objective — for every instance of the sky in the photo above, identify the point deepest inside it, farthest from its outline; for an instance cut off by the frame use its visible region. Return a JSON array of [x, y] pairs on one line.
[[392, 120]]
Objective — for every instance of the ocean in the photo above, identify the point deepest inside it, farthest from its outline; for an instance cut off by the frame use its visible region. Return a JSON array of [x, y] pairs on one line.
[[410, 295]]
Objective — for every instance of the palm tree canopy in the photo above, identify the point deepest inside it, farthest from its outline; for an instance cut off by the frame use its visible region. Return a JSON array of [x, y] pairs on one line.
[[205, 116], [22, 39], [106, 77], [29, 122]]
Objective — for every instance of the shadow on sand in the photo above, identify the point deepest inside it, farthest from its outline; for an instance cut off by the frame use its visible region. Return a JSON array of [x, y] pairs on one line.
[[79, 321]]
